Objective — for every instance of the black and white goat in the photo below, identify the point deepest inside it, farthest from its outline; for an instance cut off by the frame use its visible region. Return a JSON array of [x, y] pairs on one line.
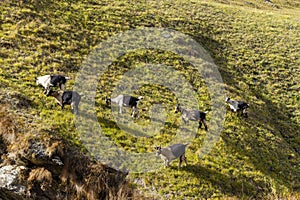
[[171, 153], [126, 101], [66, 98], [193, 115], [49, 81], [238, 106]]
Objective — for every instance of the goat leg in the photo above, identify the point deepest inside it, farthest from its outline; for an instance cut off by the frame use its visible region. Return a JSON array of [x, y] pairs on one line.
[[205, 124], [200, 124], [182, 158], [185, 160], [135, 111], [72, 107], [62, 87], [166, 163], [245, 113], [186, 121], [180, 161], [47, 89]]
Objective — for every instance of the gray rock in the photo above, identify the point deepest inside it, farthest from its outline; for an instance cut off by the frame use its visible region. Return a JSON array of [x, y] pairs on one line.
[[9, 179]]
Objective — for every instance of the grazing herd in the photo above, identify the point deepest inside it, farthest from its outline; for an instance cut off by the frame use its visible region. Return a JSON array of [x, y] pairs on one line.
[[168, 154], [62, 97]]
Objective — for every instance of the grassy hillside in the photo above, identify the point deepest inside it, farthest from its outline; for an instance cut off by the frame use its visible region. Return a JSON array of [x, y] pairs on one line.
[[254, 44]]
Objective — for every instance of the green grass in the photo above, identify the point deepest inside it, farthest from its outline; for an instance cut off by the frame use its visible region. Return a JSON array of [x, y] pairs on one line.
[[255, 45]]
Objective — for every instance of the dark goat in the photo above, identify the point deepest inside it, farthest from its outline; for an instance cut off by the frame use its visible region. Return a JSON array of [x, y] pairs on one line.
[[49, 81], [193, 115], [67, 98], [238, 106], [126, 101]]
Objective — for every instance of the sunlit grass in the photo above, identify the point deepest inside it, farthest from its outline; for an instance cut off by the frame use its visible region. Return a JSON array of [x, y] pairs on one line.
[[255, 45]]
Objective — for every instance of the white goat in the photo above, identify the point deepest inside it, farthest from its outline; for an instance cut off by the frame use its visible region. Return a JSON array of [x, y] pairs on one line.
[[126, 101], [49, 81], [237, 106], [171, 153]]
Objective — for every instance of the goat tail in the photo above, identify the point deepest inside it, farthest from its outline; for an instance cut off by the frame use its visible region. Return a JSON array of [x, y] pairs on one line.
[[67, 78], [187, 144]]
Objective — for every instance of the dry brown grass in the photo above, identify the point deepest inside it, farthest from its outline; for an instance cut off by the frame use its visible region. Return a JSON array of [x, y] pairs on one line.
[[55, 148], [7, 125], [92, 180], [40, 175], [80, 177]]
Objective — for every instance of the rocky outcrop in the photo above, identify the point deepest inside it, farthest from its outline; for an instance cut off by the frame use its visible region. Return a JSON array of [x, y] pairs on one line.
[[47, 167], [9, 180]]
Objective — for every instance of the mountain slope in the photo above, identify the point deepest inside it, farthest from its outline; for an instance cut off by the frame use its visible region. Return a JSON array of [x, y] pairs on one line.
[[254, 44]]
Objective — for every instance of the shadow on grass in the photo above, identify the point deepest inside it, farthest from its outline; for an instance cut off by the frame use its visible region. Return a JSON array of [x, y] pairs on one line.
[[269, 138], [276, 157], [228, 185]]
